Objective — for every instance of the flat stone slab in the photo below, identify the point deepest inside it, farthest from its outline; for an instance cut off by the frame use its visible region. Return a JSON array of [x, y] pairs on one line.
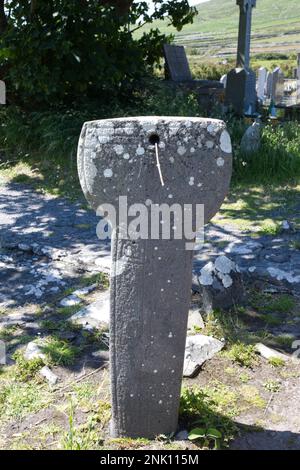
[[269, 353], [199, 349], [95, 315]]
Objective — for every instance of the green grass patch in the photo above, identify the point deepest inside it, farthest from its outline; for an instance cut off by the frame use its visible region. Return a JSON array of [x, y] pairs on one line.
[[242, 354], [60, 352], [276, 362], [272, 386], [251, 397], [284, 341], [282, 304], [25, 370], [100, 279], [271, 320], [89, 435], [19, 399], [210, 408]]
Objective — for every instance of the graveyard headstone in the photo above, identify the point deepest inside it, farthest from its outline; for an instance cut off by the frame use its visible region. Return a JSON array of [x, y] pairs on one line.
[[269, 84], [261, 83], [2, 92], [277, 92], [298, 79], [177, 66], [298, 65], [223, 80], [241, 91], [153, 161]]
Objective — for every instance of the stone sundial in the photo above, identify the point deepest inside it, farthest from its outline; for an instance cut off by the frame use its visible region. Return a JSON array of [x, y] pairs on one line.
[[152, 161]]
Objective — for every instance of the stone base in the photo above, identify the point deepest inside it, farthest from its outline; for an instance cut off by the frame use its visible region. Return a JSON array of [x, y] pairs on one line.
[[221, 285]]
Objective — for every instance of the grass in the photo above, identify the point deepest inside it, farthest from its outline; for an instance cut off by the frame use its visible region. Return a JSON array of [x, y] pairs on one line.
[[282, 304], [244, 378], [243, 354], [26, 370], [60, 352], [88, 435], [101, 279], [19, 399], [285, 341], [272, 386], [44, 154], [206, 409], [268, 303], [251, 397], [276, 362]]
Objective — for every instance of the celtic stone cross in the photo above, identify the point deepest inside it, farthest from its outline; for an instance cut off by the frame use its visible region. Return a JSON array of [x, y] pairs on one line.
[[243, 53]]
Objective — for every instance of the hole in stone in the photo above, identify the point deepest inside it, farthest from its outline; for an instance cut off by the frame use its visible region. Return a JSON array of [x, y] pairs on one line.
[[154, 139]]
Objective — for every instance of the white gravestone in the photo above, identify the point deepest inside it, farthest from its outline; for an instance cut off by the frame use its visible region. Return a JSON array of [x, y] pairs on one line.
[[261, 83], [2, 92], [223, 80]]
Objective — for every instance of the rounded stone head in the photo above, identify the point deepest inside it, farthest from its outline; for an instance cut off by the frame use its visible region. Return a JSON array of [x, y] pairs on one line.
[[118, 157]]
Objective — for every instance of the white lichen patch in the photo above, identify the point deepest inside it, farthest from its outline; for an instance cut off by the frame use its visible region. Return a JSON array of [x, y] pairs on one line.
[[172, 160], [209, 144], [225, 142], [126, 156], [192, 181], [148, 127], [108, 173], [220, 161], [129, 129], [91, 139], [103, 138], [199, 141], [174, 129], [140, 151], [192, 150], [213, 128], [181, 150], [119, 149]]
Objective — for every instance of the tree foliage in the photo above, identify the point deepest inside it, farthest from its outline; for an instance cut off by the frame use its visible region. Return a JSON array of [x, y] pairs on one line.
[[57, 51]]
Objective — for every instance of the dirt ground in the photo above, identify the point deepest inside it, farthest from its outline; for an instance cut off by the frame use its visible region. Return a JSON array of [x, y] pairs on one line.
[[252, 403]]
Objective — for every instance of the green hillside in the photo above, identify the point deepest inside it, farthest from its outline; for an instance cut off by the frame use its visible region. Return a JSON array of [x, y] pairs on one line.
[[276, 26]]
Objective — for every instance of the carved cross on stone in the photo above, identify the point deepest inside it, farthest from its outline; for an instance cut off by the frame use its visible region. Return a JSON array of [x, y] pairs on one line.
[[243, 54], [153, 161]]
